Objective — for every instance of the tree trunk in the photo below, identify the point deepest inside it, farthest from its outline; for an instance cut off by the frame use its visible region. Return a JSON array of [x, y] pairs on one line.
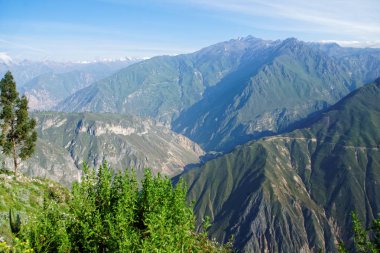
[[14, 156]]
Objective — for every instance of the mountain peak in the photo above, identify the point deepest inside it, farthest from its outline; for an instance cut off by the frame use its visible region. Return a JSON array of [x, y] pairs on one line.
[[294, 45], [291, 40], [245, 40], [249, 38]]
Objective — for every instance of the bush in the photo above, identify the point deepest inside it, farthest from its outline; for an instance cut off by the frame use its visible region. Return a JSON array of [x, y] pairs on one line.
[[17, 247], [109, 213], [365, 240]]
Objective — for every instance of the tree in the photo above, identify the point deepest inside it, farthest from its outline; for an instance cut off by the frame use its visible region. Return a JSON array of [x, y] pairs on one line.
[[18, 137]]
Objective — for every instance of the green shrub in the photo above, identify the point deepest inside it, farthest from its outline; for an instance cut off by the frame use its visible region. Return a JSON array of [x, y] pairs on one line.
[[365, 240], [109, 213], [18, 246]]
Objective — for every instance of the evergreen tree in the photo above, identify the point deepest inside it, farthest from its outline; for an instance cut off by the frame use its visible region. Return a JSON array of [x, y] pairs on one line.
[[14, 222], [18, 136]]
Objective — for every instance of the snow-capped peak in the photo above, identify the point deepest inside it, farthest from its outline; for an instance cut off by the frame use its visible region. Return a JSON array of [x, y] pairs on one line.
[[121, 59]]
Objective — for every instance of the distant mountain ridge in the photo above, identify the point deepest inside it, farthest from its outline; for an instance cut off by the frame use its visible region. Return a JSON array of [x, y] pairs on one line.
[[26, 70], [294, 192], [67, 140], [293, 81], [47, 90], [233, 91], [47, 83], [163, 86]]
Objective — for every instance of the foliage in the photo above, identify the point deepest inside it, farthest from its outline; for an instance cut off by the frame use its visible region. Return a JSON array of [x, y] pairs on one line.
[[365, 240], [24, 197], [109, 213], [15, 224], [18, 246], [18, 136]]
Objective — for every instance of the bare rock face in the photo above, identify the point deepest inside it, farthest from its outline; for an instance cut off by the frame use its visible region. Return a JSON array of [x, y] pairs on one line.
[[40, 100], [47, 90], [49, 161], [68, 140]]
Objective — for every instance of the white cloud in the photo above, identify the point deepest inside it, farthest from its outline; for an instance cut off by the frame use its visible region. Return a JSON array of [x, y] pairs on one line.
[[351, 18], [14, 44], [5, 58], [355, 43]]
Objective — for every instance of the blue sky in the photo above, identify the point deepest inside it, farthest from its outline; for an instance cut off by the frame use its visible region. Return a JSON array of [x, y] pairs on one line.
[[76, 30]]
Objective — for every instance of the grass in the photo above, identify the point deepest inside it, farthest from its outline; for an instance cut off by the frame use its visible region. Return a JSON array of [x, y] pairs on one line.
[[24, 196]]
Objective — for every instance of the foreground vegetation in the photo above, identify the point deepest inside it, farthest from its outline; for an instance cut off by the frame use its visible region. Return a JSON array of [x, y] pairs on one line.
[[365, 240], [23, 197], [111, 213], [18, 137]]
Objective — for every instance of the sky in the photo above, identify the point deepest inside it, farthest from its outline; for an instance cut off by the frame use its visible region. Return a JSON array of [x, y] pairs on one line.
[[85, 30]]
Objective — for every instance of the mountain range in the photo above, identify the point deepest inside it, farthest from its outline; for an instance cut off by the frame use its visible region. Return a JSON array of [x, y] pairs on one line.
[[294, 192], [278, 141], [125, 142], [47, 83], [234, 91]]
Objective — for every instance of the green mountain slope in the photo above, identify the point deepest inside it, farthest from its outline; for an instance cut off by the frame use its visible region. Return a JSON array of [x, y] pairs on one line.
[[295, 81], [66, 140], [294, 192], [357, 61], [231, 92], [25, 197], [163, 86]]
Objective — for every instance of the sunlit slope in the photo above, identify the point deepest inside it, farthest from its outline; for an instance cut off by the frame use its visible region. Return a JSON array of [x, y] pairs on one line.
[[233, 91], [68, 140]]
